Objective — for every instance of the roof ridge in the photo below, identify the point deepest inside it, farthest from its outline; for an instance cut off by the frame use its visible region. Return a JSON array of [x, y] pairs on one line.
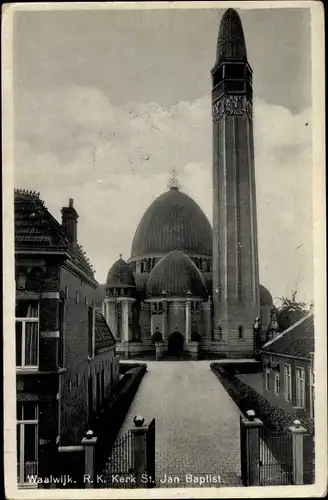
[[289, 329], [29, 193]]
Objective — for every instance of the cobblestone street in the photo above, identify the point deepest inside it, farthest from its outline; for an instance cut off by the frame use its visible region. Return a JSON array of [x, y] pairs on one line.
[[197, 423]]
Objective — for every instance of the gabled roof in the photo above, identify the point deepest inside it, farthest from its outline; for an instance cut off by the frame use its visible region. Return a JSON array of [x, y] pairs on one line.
[[36, 229], [104, 336], [296, 341]]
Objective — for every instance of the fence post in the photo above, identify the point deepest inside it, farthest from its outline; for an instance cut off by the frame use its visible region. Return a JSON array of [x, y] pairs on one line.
[[250, 448], [298, 433], [139, 450], [89, 443]]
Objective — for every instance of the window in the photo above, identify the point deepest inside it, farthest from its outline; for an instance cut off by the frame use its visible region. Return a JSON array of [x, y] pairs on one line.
[[277, 383], [235, 71], [240, 332], [27, 441], [288, 383], [61, 334], [66, 292], [77, 297], [27, 334], [311, 376], [78, 378], [267, 379], [300, 387], [86, 301]]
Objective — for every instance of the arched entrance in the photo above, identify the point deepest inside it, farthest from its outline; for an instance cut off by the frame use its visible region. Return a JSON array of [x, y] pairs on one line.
[[175, 344]]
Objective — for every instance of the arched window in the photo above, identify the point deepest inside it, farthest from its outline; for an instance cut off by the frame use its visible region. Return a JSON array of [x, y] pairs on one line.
[[220, 332], [142, 266], [240, 332]]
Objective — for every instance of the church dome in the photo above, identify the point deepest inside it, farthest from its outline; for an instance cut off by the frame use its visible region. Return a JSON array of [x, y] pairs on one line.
[[265, 297], [120, 274], [231, 41], [173, 222], [175, 275]]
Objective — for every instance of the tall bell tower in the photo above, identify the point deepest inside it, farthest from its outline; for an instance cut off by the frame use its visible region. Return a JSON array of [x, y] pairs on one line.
[[236, 298]]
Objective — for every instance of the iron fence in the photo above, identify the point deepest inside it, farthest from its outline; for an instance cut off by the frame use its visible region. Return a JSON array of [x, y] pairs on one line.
[[118, 471], [276, 457]]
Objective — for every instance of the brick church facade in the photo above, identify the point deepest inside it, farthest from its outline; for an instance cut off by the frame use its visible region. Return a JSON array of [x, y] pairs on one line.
[[188, 289]]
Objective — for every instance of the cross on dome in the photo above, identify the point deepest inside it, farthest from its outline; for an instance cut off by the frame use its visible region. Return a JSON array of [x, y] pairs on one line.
[[173, 182]]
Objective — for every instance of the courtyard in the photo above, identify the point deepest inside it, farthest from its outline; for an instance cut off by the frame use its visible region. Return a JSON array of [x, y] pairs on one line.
[[197, 424]]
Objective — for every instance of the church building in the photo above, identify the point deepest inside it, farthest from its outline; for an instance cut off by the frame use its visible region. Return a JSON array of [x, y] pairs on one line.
[[189, 289]]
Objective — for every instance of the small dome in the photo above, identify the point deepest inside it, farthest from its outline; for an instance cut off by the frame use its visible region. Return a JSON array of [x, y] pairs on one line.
[[265, 297], [120, 274], [175, 275], [231, 40], [173, 221]]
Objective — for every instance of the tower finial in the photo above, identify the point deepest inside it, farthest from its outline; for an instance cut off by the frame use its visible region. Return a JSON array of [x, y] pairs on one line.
[[173, 182], [121, 255]]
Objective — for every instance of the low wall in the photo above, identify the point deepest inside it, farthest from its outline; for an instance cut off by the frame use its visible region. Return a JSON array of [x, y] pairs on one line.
[[125, 367], [239, 367], [107, 425], [273, 417]]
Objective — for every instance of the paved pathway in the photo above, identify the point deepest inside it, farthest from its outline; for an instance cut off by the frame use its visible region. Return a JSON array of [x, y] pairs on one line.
[[197, 423]]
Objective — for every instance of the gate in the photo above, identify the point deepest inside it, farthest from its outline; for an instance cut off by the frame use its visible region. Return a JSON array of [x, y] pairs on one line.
[[276, 457], [150, 454], [118, 472]]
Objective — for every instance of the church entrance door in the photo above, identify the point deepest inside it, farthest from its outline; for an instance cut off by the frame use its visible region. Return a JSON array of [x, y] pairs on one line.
[[175, 344]]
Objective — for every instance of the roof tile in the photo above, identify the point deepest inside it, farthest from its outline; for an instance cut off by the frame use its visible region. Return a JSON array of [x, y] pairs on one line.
[[296, 341]]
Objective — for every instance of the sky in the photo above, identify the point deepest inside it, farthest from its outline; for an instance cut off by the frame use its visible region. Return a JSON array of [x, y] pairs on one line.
[[107, 103]]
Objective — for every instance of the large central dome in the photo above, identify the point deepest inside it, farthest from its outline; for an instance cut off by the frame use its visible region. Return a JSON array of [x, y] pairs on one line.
[[173, 222]]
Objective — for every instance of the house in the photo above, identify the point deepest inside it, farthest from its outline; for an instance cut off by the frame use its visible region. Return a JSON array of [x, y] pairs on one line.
[[66, 363], [288, 370]]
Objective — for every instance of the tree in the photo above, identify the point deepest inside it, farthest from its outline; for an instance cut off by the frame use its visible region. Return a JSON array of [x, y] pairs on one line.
[[290, 311]]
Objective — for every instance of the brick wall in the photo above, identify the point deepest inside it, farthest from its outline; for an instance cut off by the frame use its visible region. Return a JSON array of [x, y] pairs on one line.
[[74, 399], [75, 316]]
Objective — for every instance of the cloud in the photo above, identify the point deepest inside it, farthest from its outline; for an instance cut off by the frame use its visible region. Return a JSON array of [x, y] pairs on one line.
[[114, 161]]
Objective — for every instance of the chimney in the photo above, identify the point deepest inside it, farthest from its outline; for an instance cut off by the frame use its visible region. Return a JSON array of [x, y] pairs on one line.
[[69, 223]]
